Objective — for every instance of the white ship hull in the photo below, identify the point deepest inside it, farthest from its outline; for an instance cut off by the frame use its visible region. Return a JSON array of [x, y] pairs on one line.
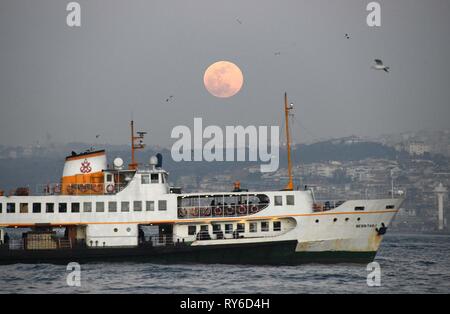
[[338, 230]]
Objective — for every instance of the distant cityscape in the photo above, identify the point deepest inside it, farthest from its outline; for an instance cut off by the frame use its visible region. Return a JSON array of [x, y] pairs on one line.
[[411, 165]]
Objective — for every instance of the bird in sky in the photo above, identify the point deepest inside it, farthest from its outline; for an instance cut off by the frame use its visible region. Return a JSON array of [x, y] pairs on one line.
[[277, 53], [347, 36], [380, 66], [169, 98], [239, 21]]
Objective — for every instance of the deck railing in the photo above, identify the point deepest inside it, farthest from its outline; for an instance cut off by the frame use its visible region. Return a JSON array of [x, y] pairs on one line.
[[38, 244], [358, 195], [233, 210], [78, 189], [173, 240], [321, 206]]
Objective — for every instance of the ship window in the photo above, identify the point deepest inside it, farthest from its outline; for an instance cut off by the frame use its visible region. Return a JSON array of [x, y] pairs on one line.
[[62, 207], [228, 228], [75, 207], [390, 206], [154, 178], [217, 228], [278, 200], [1, 208], [359, 208], [87, 207], [204, 228], [109, 178], [137, 206], [253, 227], [23, 208], [192, 230], [49, 208], [162, 205], [99, 207], [145, 179], [290, 200], [125, 206], [10, 208], [149, 206], [277, 226], [112, 207], [240, 228], [264, 226], [164, 178]]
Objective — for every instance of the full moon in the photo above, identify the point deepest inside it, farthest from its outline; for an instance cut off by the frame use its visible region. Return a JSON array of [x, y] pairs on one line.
[[223, 79]]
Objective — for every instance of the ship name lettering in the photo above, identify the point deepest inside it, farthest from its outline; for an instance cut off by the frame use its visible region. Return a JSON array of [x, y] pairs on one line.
[[366, 226]]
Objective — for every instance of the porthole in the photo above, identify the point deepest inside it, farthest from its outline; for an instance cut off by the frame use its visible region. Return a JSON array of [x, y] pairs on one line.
[[335, 219], [115, 229], [358, 219], [128, 229], [346, 219], [317, 221]]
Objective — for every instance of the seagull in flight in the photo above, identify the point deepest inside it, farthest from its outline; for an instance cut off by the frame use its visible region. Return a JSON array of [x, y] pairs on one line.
[[169, 98], [239, 21], [380, 66], [347, 36]]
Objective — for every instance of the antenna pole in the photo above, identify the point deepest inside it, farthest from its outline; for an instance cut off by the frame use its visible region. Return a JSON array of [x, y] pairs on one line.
[[136, 143], [290, 185], [133, 161]]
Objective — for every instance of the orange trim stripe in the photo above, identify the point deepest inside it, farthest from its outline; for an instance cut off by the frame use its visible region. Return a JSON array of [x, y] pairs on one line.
[[178, 221]]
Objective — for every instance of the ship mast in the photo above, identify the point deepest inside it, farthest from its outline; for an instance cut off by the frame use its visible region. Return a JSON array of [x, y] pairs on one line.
[[136, 143], [290, 184]]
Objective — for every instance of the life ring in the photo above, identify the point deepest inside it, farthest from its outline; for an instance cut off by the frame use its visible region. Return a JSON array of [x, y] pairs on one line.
[[56, 189], [182, 212], [242, 210], [205, 211], [97, 188], [218, 211], [194, 211], [71, 189], [110, 188], [82, 188], [254, 209], [230, 211]]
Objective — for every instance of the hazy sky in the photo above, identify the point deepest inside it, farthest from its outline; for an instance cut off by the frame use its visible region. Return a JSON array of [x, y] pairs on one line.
[[69, 84]]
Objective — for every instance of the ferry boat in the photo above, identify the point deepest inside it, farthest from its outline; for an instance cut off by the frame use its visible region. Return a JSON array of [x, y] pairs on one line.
[[106, 214]]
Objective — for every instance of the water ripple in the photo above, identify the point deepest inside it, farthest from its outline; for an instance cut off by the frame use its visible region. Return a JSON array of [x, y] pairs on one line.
[[409, 264]]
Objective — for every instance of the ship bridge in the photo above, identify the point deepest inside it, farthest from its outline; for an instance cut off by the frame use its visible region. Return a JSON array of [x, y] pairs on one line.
[[147, 179]]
